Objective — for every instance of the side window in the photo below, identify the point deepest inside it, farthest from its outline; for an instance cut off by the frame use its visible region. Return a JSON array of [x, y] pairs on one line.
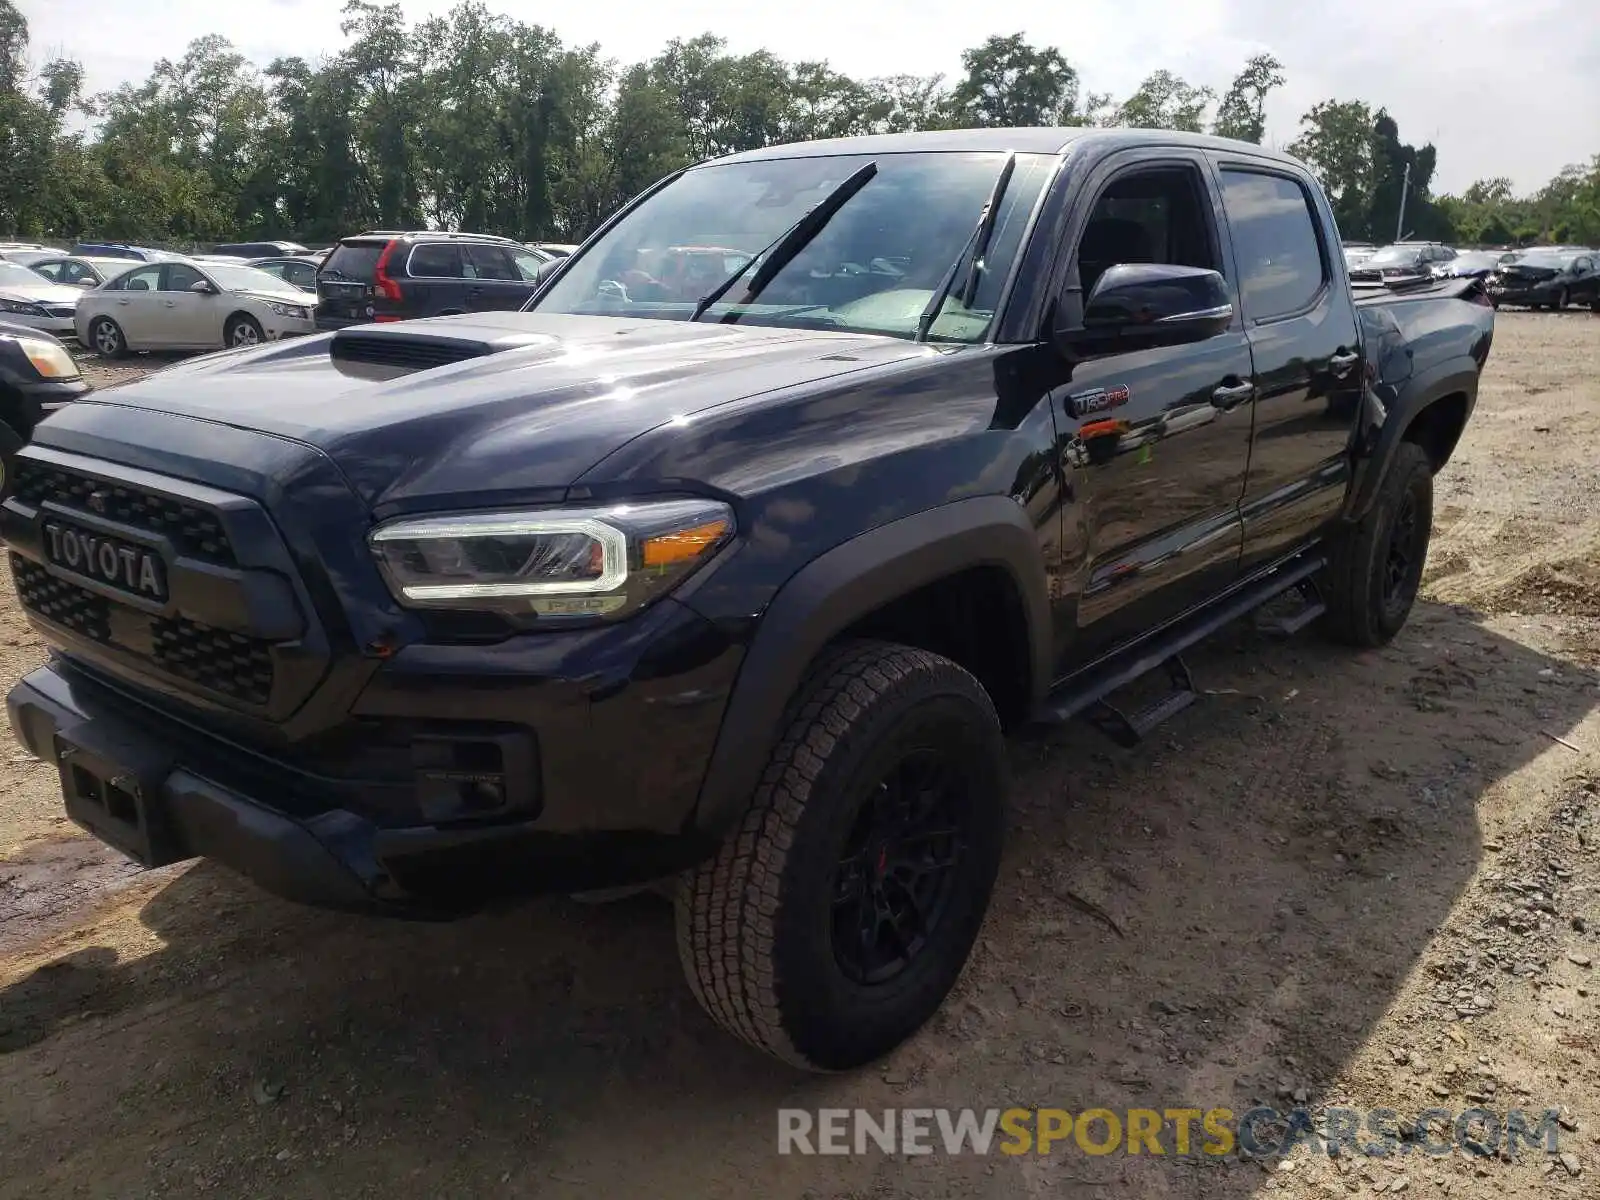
[[181, 278], [142, 279], [76, 273], [1584, 265], [50, 270], [1275, 242], [278, 269], [1153, 216], [491, 262], [435, 260], [300, 274]]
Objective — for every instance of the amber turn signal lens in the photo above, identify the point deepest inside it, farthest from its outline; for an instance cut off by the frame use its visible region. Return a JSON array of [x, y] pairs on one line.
[[683, 545]]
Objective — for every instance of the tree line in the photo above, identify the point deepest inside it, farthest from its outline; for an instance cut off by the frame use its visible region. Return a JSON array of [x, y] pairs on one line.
[[476, 121]]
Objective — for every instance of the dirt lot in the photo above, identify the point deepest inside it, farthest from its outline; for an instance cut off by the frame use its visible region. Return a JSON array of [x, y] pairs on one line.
[[1368, 881]]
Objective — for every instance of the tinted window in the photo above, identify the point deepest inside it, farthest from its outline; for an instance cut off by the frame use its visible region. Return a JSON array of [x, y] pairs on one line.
[[181, 278], [1274, 241], [490, 262], [300, 274], [355, 262], [51, 270], [436, 260]]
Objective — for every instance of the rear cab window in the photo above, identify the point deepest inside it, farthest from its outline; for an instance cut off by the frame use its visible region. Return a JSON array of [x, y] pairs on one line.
[[1275, 243]]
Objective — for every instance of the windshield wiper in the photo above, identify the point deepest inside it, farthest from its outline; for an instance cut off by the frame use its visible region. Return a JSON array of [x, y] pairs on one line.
[[793, 240], [976, 245]]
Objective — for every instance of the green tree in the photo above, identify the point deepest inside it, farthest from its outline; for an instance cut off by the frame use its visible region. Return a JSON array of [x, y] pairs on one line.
[[1243, 111], [1165, 101], [1336, 142], [1011, 83]]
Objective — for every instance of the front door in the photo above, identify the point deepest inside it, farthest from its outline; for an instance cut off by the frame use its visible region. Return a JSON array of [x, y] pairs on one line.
[[187, 319], [1155, 442], [496, 283]]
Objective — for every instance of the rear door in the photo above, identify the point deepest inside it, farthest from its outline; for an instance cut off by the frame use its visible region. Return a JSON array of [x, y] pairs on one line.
[[436, 280], [344, 284], [1155, 441], [1304, 339], [495, 281], [135, 305]]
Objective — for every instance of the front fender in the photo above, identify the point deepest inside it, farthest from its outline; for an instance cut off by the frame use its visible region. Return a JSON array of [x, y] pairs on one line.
[[837, 589]]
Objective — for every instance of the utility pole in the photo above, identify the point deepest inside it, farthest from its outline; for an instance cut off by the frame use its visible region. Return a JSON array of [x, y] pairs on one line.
[[1400, 221]]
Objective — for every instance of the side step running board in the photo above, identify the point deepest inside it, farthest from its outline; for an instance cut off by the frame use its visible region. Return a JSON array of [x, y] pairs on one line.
[[1090, 687], [1313, 608]]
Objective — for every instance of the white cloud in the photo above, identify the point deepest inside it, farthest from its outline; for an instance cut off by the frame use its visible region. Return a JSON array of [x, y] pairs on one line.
[[1501, 88]]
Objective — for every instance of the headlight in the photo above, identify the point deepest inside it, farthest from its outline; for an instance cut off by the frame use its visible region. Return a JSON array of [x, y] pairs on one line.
[[19, 306], [50, 360], [563, 563], [287, 310]]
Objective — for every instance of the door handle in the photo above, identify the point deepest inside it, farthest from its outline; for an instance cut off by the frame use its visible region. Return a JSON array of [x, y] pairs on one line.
[[170, 303], [1231, 395], [1341, 362], [122, 302]]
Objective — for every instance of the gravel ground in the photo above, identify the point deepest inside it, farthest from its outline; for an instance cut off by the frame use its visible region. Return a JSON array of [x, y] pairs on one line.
[[1365, 881]]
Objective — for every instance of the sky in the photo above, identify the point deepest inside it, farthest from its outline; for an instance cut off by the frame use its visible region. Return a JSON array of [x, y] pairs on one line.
[[1435, 64]]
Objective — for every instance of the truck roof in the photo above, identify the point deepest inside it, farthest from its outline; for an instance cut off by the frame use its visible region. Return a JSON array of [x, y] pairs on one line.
[[1040, 140]]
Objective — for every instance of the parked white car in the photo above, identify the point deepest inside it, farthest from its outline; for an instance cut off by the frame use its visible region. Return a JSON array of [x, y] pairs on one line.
[[186, 305], [28, 298]]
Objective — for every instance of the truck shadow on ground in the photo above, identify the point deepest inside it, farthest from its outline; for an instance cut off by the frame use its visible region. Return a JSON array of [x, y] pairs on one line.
[[1218, 917]]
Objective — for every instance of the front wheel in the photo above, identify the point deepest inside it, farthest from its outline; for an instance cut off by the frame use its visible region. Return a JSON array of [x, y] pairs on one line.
[[1375, 568], [244, 330], [835, 919]]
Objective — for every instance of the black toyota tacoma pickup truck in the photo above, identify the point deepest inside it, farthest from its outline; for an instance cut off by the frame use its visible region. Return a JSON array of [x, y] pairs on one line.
[[730, 557]]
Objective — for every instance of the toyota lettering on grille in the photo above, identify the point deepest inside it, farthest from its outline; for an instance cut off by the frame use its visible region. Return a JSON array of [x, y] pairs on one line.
[[106, 560]]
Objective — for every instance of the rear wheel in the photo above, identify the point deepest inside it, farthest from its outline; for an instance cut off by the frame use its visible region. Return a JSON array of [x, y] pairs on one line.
[[836, 918], [105, 335], [1375, 568], [244, 330]]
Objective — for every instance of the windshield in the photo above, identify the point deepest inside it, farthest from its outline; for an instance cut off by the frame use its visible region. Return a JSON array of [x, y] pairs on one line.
[[873, 267], [244, 279], [12, 275], [1396, 256]]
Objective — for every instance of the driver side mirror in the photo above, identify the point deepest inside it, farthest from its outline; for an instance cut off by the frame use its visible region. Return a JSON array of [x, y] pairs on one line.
[[546, 269], [1141, 305], [204, 286]]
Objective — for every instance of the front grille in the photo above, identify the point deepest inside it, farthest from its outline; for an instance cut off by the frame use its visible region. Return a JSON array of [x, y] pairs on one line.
[[194, 531], [228, 663], [60, 602], [61, 310]]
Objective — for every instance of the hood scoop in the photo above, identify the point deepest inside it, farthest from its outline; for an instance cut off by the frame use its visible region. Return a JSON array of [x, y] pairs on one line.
[[412, 346]]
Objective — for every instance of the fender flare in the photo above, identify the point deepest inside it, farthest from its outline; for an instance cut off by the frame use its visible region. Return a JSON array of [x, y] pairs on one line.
[[1457, 376], [838, 588]]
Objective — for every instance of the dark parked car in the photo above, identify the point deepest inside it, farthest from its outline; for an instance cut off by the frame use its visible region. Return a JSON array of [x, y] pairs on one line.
[[737, 585], [1401, 263], [38, 376], [1548, 279], [300, 270], [396, 276], [251, 250], [1469, 264], [118, 250]]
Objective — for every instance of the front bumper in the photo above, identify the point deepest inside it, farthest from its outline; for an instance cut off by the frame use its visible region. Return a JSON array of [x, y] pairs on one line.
[[279, 328], [59, 326], [607, 740]]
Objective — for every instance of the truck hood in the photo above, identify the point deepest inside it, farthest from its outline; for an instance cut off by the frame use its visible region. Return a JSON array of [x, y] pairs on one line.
[[494, 404]]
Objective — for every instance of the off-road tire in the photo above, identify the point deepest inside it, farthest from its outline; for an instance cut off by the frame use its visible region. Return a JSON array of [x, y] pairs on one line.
[[1361, 610], [756, 922]]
